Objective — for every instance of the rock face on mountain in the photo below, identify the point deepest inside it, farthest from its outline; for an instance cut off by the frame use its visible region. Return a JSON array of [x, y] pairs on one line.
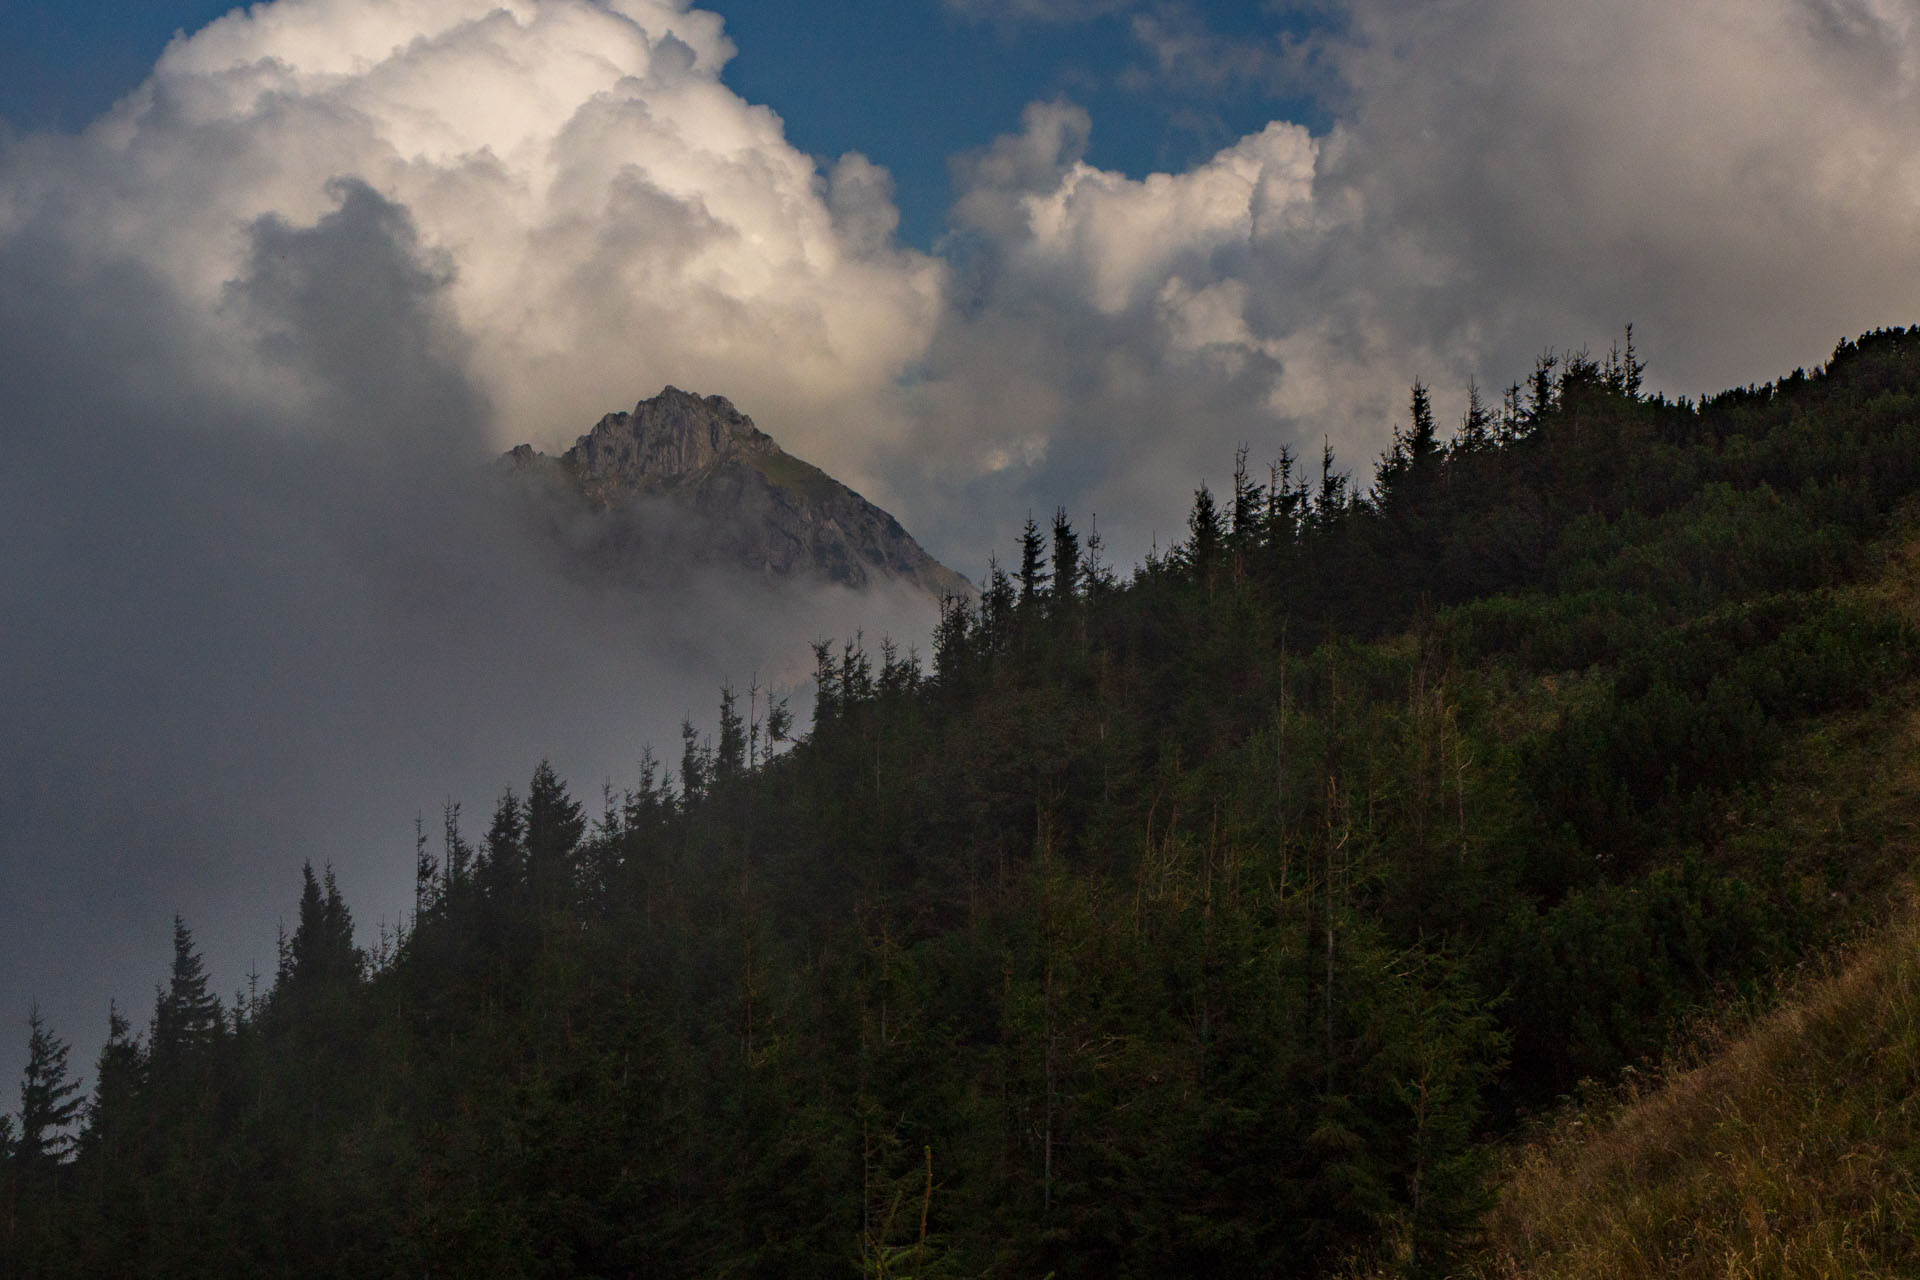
[[690, 478]]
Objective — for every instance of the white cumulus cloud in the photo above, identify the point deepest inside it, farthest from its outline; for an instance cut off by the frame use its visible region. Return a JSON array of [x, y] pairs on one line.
[[611, 216]]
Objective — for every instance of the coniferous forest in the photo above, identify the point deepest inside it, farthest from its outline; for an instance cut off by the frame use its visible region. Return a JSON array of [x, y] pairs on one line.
[[1226, 918]]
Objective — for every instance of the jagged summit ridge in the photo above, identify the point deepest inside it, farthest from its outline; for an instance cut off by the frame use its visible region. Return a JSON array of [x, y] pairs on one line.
[[674, 435], [750, 501]]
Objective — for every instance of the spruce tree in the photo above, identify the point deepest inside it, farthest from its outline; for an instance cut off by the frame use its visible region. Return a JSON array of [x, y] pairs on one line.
[[1286, 506], [856, 672], [1331, 501], [1541, 391], [1205, 534], [899, 672], [1249, 499], [826, 693], [1511, 423], [779, 721], [429, 890], [342, 954], [1623, 370], [996, 607], [49, 1101], [952, 642], [186, 1016], [1033, 571], [757, 748], [730, 752], [501, 875], [1423, 441], [1066, 559], [555, 825], [456, 855], [112, 1113], [321, 954], [696, 765], [1582, 380], [1095, 572], [649, 800], [1406, 470], [1476, 424]]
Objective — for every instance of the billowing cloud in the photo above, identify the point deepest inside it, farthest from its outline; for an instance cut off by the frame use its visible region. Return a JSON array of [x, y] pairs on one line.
[[610, 215], [1111, 312], [1736, 177]]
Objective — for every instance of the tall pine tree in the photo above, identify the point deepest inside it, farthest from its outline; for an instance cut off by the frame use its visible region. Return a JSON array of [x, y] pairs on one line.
[[501, 875], [321, 955], [1206, 533]]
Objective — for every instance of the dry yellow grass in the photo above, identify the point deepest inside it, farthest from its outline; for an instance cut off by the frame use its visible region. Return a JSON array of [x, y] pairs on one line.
[[1794, 1151]]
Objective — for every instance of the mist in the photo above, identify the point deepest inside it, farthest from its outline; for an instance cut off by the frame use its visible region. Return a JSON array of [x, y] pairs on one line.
[[267, 601]]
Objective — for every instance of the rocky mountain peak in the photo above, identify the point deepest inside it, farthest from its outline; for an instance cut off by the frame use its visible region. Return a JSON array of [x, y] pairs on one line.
[[741, 498], [665, 440]]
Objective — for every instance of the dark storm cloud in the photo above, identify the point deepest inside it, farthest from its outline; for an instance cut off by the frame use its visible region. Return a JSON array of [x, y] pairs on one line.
[[350, 305]]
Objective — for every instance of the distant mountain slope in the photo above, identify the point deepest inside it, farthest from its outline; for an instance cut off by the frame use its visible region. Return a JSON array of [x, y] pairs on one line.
[[689, 477]]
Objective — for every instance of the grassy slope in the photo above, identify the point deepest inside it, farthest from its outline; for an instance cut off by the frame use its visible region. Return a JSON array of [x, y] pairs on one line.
[[1793, 1151], [1789, 1146]]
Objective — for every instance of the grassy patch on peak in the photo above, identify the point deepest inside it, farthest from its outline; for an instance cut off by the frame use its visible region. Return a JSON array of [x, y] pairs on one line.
[[790, 473]]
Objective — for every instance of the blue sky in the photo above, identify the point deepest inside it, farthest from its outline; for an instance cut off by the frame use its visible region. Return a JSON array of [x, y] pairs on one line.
[[61, 64], [911, 83], [907, 82]]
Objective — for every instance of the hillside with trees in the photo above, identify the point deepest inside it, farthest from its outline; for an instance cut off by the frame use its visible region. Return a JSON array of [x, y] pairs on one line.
[[1242, 916]]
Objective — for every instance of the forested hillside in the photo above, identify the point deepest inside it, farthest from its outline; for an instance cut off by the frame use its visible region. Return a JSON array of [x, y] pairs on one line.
[[1228, 919]]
